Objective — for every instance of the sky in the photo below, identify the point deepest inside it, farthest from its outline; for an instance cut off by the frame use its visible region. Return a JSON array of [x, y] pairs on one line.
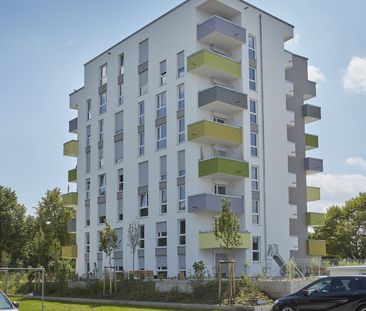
[[45, 43]]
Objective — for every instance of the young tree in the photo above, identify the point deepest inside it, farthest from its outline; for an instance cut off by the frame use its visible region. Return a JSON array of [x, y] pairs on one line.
[[133, 239], [109, 241], [227, 226]]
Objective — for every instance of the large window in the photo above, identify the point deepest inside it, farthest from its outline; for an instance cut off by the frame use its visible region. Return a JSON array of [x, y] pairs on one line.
[[144, 204], [161, 105], [181, 97], [141, 141], [180, 63], [255, 212], [141, 112], [103, 74], [143, 51], [143, 82], [102, 184], [103, 103], [220, 189], [182, 232], [161, 138], [252, 79], [181, 197], [253, 111], [101, 129], [251, 47], [181, 130], [163, 201], [163, 72], [88, 109], [253, 144], [142, 236], [162, 234], [256, 249], [118, 120], [255, 178]]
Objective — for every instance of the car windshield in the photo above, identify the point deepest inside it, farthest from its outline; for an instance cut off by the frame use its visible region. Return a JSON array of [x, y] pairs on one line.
[[4, 303]]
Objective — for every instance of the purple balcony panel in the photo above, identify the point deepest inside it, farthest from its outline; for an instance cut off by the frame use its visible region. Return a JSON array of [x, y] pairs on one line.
[[313, 165], [211, 203], [73, 125]]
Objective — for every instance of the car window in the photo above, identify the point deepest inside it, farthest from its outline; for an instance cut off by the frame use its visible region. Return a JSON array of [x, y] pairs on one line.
[[321, 286], [4, 303]]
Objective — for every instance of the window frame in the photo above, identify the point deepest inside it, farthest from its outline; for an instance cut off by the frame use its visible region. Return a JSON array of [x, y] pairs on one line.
[[88, 109], [181, 100], [181, 130], [180, 69], [254, 144], [163, 194], [103, 74], [161, 107], [254, 181], [180, 234], [163, 74], [141, 143], [252, 78], [121, 63], [102, 184], [253, 112], [252, 49], [141, 112], [181, 200], [103, 103], [255, 212], [161, 141], [256, 251]]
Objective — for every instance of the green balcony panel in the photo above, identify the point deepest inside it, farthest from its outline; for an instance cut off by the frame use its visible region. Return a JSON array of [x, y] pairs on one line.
[[315, 219], [207, 240], [311, 141], [70, 199], [214, 65], [209, 132], [223, 168], [71, 148], [69, 252], [313, 194], [72, 175], [316, 248]]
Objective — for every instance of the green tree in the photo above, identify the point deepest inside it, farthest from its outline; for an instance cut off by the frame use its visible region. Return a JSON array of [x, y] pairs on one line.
[[227, 226], [109, 241], [345, 229], [133, 236]]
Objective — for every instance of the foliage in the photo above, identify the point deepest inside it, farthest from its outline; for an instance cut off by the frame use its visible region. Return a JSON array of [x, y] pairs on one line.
[[345, 229], [133, 236], [291, 269], [314, 267], [109, 241], [199, 272], [248, 293], [227, 226]]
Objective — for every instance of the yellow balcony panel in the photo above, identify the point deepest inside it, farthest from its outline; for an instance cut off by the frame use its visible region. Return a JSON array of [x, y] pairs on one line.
[[69, 252], [207, 240], [315, 219], [214, 65], [223, 168], [316, 248], [209, 132], [70, 199], [311, 141], [313, 194], [72, 175], [71, 148]]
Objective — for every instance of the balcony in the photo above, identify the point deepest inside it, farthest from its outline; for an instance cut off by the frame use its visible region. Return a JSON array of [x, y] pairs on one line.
[[71, 148], [315, 219], [73, 126], [221, 33], [70, 199], [72, 175], [316, 248], [312, 194], [211, 203], [214, 65], [313, 165], [69, 252], [209, 132], [311, 113], [76, 97], [222, 99], [71, 226], [223, 168], [309, 90], [311, 141], [207, 240]]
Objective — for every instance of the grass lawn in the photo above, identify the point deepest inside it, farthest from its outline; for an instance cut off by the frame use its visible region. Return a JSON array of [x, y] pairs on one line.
[[35, 305]]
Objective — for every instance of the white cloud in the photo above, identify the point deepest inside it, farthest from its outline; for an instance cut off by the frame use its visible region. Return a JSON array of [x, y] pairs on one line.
[[356, 161], [354, 78], [314, 74]]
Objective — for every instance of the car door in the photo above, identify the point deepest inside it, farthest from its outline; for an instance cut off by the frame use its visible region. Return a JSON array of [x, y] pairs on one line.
[[314, 297]]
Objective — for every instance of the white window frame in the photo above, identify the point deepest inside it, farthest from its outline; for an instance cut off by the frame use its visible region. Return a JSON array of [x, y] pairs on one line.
[[180, 70], [218, 187], [161, 105], [255, 212], [161, 236], [87, 242], [120, 94], [252, 82], [181, 199], [87, 189], [251, 49], [161, 137], [181, 130], [253, 144], [141, 236], [143, 88], [88, 109], [103, 103], [163, 75], [256, 251], [121, 64], [181, 100], [253, 112], [103, 74], [180, 234], [219, 119], [141, 141], [141, 112], [144, 204], [102, 181], [255, 179], [100, 161], [163, 201], [101, 129], [120, 181]]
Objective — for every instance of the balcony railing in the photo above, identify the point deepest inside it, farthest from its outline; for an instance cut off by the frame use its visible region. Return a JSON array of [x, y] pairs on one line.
[[207, 240], [313, 165], [72, 175], [212, 203], [70, 199], [71, 226], [73, 126], [315, 219], [225, 168], [71, 148], [316, 248], [311, 141], [311, 113], [69, 252], [313, 194]]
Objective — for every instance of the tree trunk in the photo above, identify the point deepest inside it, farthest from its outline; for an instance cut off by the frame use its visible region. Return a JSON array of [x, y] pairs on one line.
[[133, 260]]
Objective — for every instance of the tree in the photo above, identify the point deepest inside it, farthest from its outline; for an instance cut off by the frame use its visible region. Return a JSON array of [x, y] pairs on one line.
[[133, 240], [345, 229], [227, 226], [109, 241]]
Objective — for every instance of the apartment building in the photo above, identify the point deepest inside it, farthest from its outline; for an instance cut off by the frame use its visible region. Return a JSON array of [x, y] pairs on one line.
[[203, 102]]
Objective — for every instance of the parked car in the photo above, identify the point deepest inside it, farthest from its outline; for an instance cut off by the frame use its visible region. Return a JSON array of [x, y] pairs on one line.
[[6, 304], [328, 293]]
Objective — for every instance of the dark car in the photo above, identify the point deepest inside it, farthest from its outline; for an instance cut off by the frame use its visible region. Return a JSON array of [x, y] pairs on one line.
[[328, 293]]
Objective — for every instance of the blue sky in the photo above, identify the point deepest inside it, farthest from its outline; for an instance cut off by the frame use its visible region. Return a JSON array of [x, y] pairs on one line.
[[44, 45]]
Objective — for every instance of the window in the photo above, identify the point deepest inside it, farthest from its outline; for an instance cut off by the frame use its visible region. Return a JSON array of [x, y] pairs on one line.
[[120, 179], [141, 112], [161, 140], [118, 150], [141, 143], [99, 239], [253, 144], [163, 72], [219, 119], [253, 111], [163, 168], [220, 189], [251, 47], [88, 109], [163, 201], [180, 63], [87, 189], [122, 64], [182, 232], [118, 122], [101, 213], [88, 135], [220, 151], [101, 129], [181, 163], [255, 212], [143, 51], [143, 82], [255, 183], [181, 97], [120, 94], [182, 197], [100, 158], [120, 208], [142, 236], [252, 79], [102, 184], [87, 162], [161, 105], [103, 103], [161, 230], [256, 248], [87, 215], [181, 130], [103, 74], [87, 242], [143, 204]]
